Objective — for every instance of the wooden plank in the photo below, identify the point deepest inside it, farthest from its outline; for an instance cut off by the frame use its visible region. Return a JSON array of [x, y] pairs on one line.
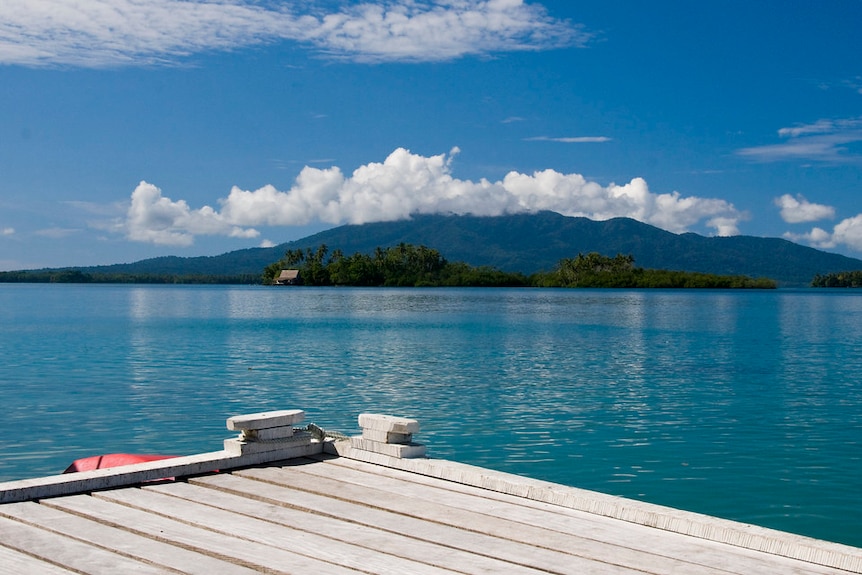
[[470, 538], [395, 501], [66, 552], [554, 531], [370, 537], [295, 538], [14, 562], [110, 478], [702, 526], [236, 549], [454, 486], [120, 541], [554, 517]]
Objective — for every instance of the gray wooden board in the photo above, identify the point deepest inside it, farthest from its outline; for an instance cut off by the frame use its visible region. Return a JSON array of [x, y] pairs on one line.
[[806, 549], [371, 537], [120, 540], [67, 552], [252, 554], [464, 519], [472, 541], [14, 562], [528, 525], [557, 518], [293, 538], [472, 531], [607, 528]]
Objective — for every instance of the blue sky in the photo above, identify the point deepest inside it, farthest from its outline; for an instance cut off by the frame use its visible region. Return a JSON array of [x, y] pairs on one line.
[[138, 128]]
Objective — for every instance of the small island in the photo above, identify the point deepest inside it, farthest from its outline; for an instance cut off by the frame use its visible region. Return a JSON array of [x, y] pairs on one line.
[[406, 265]]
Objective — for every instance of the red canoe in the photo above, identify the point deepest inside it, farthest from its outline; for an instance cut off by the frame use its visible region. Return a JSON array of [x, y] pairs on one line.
[[111, 460]]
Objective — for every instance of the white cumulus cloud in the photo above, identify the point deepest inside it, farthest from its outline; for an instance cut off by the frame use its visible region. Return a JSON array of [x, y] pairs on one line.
[[99, 33], [156, 219], [847, 232], [405, 184], [798, 210]]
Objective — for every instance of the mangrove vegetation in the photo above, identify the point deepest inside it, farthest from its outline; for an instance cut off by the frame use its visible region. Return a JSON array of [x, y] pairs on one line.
[[75, 276], [406, 265], [852, 279]]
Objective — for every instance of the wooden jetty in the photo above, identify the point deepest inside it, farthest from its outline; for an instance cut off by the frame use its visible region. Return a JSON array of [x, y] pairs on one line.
[[280, 499]]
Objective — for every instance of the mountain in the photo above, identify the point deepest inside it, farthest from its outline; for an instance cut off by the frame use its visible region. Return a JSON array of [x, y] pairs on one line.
[[533, 242]]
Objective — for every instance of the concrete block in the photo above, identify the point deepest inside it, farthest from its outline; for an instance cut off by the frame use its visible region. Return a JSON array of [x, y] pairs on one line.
[[390, 423], [236, 447], [265, 420], [387, 436], [269, 434], [399, 450]]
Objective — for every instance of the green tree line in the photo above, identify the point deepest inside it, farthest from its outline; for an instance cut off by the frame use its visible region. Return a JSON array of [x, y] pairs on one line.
[[406, 265], [852, 279], [598, 271], [80, 277]]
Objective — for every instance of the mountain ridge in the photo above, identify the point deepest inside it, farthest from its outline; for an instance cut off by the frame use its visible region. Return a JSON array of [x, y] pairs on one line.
[[529, 243]]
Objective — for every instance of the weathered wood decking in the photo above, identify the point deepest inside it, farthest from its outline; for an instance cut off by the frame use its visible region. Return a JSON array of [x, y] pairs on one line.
[[367, 512]]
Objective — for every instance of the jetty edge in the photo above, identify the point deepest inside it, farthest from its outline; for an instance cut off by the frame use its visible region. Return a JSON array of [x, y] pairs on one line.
[[280, 498]]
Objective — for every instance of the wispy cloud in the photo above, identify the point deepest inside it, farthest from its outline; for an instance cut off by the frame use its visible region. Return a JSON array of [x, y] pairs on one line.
[[405, 184], [7, 232], [570, 140], [282, 164], [823, 141], [855, 84], [95, 208], [57, 233], [798, 210], [100, 33]]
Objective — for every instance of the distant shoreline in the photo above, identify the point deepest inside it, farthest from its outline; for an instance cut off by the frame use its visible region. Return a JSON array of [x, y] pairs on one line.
[[95, 279]]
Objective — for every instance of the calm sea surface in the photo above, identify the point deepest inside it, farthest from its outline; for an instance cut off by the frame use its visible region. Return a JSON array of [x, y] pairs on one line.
[[744, 405]]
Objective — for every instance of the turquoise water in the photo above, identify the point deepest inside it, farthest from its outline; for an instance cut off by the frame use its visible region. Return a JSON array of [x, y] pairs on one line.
[[744, 405]]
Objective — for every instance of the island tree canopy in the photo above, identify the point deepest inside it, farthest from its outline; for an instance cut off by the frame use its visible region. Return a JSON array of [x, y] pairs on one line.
[[406, 265]]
